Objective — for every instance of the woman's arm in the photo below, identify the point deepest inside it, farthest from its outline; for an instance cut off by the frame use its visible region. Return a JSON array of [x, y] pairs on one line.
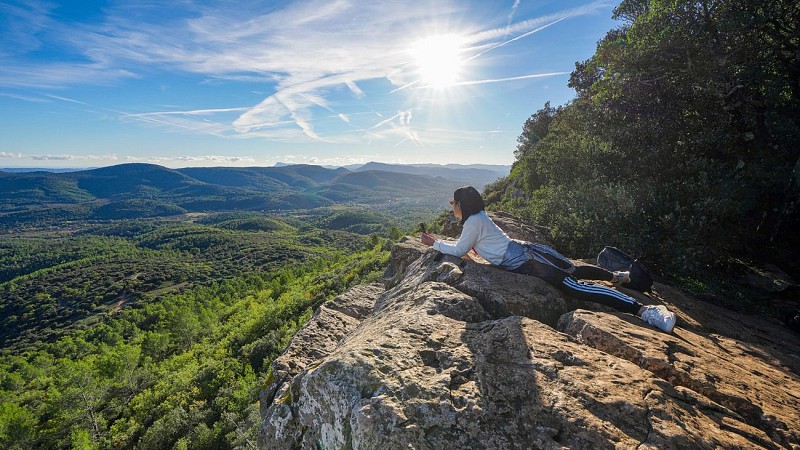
[[469, 236]]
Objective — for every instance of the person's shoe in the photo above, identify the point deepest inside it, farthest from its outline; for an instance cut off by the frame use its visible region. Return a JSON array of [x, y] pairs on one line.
[[621, 278], [660, 317]]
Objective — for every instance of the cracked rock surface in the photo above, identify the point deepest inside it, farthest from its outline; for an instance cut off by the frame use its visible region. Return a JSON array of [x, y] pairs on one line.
[[456, 354]]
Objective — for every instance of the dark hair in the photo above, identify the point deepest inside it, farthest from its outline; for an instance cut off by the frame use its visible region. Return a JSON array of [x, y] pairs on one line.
[[469, 200]]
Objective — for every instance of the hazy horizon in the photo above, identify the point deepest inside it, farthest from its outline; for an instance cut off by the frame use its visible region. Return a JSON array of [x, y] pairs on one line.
[[277, 164]]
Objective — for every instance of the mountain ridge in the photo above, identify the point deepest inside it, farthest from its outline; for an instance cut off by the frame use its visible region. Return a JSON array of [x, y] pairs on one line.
[[27, 198], [477, 175]]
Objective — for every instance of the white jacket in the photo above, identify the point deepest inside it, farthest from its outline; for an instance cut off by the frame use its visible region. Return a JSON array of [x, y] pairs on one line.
[[489, 241], [480, 233]]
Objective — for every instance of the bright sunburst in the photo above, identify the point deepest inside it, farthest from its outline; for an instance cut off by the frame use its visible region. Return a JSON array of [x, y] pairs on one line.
[[439, 60]]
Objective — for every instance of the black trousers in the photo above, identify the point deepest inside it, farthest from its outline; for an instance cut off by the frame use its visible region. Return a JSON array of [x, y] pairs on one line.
[[581, 290]]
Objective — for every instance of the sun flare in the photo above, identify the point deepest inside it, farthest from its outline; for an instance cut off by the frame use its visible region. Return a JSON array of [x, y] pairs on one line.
[[439, 60]]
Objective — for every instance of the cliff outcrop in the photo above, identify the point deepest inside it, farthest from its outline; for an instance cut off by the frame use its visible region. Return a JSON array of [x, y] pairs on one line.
[[450, 353]]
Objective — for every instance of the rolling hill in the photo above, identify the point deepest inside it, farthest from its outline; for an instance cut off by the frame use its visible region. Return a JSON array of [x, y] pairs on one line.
[[477, 175], [130, 191]]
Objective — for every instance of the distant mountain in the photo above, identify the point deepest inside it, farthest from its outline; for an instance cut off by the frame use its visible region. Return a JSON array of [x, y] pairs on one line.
[[127, 180], [148, 190], [265, 178], [378, 179], [18, 189], [477, 175], [236, 177]]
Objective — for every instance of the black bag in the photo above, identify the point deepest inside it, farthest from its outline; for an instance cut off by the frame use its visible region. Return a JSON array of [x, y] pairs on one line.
[[793, 320], [615, 260]]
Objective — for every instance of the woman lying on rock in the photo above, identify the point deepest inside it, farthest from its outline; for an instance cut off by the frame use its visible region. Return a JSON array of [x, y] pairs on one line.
[[491, 243]]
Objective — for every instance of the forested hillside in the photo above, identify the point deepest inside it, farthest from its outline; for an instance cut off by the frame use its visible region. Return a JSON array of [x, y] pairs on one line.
[[681, 145], [132, 191], [159, 334], [51, 281]]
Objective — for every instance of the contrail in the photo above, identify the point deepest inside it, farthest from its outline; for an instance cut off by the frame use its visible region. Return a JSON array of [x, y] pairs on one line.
[[511, 16], [174, 124], [196, 112], [385, 121], [65, 99], [521, 77], [523, 35], [406, 86]]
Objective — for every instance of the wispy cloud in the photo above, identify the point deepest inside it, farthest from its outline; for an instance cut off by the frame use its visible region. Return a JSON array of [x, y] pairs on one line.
[[306, 52], [58, 75], [181, 121], [194, 112], [216, 158], [26, 98], [71, 157], [490, 37], [342, 160], [23, 27], [511, 15], [10, 155], [201, 158], [65, 99], [516, 38]]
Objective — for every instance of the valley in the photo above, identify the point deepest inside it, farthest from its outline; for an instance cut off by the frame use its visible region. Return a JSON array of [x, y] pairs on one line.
[[141, 306]]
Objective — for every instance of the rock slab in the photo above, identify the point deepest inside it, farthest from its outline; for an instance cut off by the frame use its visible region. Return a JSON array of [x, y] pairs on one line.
[[454, 354]]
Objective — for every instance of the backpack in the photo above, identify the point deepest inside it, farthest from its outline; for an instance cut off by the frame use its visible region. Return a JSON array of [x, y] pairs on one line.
[[793, 320], [614, 260]]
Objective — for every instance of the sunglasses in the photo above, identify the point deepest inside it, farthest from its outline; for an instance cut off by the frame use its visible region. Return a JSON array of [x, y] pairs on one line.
[[453, 202]]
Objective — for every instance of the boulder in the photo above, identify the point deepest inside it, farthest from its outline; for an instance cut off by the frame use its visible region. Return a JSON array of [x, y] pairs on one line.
[[320, 336], [451, 353]]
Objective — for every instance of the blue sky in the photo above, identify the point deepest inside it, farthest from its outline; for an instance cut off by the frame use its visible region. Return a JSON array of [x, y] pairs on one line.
[[221, 83]]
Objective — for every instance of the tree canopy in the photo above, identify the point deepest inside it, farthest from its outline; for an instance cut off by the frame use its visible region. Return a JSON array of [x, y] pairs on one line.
[[681, 143]]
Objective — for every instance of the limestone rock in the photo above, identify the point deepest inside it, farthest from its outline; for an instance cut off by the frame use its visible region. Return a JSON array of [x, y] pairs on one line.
[[706, 370], [320, 336], [456, 354], [403, 253]]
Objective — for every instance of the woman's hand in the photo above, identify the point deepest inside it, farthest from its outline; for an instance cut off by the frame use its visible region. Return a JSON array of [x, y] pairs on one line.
[[427, 239]]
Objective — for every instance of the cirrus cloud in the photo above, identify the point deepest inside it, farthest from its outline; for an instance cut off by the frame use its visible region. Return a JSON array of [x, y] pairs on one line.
[[308, 53], [72, 157]]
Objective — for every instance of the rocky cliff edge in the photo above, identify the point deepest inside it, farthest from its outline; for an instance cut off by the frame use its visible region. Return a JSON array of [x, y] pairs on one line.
[[449, 353]]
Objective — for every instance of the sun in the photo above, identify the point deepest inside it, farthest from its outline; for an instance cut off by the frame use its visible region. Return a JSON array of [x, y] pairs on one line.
[[439, 60]]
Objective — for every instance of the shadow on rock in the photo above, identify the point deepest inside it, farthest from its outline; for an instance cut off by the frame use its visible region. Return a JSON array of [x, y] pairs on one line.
[[450, 353]]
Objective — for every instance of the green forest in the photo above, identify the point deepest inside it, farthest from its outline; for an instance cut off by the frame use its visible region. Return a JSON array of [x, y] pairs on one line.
[[160, 333], [681, 145]]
